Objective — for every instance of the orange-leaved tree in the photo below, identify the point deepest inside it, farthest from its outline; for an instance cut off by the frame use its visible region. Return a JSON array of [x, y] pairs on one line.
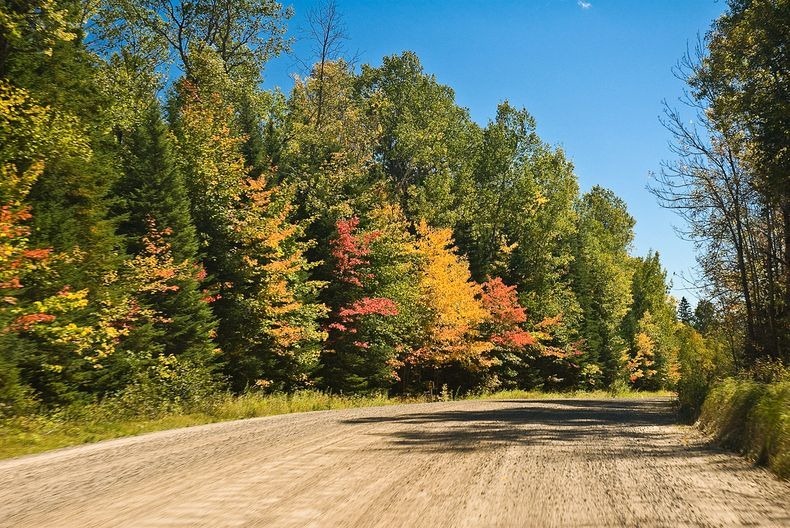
[[273, 291]]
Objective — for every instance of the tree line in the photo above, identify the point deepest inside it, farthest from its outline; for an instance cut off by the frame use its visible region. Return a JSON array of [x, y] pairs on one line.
[[167, 225], [730, 181]]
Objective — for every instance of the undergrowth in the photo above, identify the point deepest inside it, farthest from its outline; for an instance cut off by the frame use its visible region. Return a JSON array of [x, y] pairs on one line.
[[588, 395], [753, 419], [34, 433]]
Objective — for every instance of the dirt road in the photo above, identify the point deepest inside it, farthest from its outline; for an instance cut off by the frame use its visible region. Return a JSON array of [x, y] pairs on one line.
[[475, 463]]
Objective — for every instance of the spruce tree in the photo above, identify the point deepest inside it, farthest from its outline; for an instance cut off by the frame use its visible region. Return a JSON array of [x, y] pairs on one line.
[[601, 272], [152, 194], [685, 314], [266, 310], [70, 200]]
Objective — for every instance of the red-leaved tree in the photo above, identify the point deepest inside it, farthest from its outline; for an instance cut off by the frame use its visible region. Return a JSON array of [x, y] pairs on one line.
[[356, 358], [506, 316]]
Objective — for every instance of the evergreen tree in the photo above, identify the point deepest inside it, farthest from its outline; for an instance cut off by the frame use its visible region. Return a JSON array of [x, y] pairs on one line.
[[254, 254], [69, 200], [358, 355], [650, 295], [704, 316], [649, 292], [602, 275], [151, 192], [684, 311], [329, 165]]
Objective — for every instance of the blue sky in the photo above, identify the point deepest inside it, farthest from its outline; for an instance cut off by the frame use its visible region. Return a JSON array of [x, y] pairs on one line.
[[592, 72]]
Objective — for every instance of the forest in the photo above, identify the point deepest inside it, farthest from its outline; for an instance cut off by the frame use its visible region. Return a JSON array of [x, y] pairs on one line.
[[170, 230]]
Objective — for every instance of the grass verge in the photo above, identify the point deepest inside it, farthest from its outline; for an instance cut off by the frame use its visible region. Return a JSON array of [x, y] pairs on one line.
[[753, 419], [587, 395], [24, 435]]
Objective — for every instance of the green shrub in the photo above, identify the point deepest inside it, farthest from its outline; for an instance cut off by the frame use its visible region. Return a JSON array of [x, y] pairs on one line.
[[168, 385], [753, 419], [700, 362], [619, 387]]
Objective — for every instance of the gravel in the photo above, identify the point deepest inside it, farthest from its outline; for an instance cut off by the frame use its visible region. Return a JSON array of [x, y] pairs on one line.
[[514, 463]]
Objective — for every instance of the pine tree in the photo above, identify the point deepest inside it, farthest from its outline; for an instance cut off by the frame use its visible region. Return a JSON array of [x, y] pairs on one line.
[[151, 194], [704, 316], [69, 200], [684, 311], [254, 254], [602, 276]]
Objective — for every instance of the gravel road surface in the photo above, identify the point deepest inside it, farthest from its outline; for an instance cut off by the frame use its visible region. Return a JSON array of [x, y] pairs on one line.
[[472, 463]]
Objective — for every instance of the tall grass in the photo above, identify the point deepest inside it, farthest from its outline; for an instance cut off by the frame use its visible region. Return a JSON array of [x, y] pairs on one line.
[[753, 419], [252, 405], [35, 433], [587, 395]]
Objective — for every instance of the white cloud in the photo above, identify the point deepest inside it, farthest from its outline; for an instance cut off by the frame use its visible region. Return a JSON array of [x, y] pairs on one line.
[[583, 4]]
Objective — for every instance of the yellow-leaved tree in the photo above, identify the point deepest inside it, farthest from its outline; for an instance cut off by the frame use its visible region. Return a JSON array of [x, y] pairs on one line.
[[452, 304]]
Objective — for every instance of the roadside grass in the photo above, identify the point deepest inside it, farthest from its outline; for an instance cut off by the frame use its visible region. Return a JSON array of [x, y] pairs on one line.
[[25, 435], [753, 419], [587, 395]]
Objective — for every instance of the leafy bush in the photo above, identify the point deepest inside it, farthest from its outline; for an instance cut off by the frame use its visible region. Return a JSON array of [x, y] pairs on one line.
[[15, 397], [167, 386], [619, 387], [700, 363]]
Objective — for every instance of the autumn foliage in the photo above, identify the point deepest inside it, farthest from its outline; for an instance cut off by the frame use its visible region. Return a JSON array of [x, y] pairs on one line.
[[453, 306], [350, 252], [507, 316], [166, 233], [356, 345]]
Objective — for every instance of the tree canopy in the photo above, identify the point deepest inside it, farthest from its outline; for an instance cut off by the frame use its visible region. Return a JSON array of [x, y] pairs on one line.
[[167, 222]]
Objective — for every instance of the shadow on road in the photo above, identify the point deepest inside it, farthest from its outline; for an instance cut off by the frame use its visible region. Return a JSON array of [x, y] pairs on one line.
[[619, 428]]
